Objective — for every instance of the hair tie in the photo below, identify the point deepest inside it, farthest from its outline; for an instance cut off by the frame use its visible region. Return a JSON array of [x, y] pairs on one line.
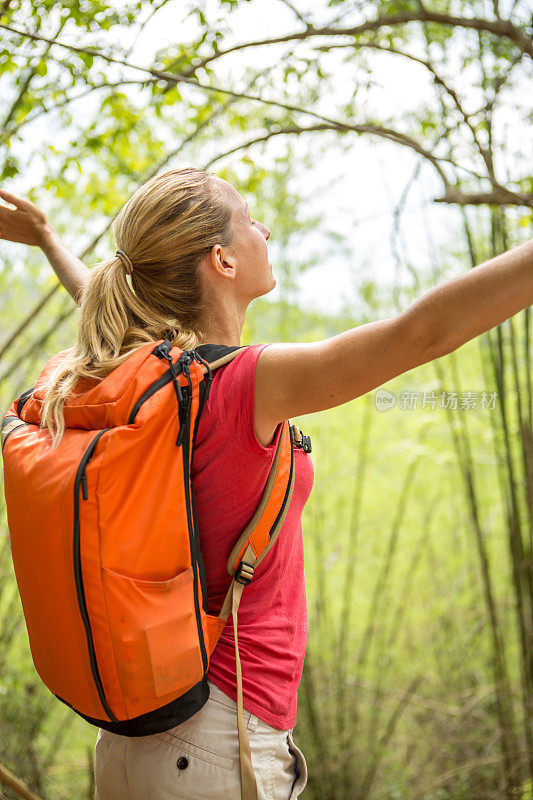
[[126, 260]]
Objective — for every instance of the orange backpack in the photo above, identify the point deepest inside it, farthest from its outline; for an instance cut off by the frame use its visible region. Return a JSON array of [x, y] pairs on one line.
[[105, 541]]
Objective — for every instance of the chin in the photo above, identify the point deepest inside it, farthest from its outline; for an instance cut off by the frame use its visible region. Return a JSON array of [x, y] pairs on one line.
[[267, 289]]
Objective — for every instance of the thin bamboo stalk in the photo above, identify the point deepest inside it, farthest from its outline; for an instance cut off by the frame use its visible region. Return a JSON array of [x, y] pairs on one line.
[[9, 779], [504, 708], [350, 565]]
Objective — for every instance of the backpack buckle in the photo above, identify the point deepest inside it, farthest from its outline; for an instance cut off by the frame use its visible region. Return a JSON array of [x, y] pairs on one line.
[[300, 439], [244, 573], [306, 443]]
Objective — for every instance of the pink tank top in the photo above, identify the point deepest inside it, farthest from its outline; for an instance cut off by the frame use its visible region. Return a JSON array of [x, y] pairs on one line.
[[229, 473]]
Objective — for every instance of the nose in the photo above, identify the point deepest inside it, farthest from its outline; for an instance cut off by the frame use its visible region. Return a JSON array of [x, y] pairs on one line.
[[266, 231]]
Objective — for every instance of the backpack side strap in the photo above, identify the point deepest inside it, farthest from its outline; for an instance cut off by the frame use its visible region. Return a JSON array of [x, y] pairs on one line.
[[262, 530], [231, 603]]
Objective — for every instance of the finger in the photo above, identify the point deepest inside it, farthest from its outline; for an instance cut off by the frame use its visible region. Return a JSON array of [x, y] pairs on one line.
[[8, 197], [16, 201]]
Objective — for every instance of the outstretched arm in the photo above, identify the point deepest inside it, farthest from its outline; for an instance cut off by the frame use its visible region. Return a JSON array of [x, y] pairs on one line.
[[296, 379], [28, 225]]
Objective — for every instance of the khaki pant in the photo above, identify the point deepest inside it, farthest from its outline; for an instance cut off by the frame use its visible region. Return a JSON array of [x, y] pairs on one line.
[[199, 759]]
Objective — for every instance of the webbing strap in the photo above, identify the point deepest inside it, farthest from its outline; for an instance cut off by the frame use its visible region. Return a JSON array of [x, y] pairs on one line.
[[231, 603], [8, 427]]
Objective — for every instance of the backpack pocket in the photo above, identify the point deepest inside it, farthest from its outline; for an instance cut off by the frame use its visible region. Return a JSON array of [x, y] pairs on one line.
[[155, 640]]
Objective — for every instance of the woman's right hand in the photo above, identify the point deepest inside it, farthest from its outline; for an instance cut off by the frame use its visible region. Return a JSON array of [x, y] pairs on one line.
[[25, 223]]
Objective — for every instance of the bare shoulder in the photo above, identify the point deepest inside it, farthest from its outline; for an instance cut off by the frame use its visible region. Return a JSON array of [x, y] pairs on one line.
[[273, 401], [282, 384]]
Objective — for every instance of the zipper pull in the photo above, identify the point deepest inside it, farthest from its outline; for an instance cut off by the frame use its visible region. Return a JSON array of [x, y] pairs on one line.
[[162, 350], [181, 434], [187, 372], [84, 491], [183, 413], [185, 405]]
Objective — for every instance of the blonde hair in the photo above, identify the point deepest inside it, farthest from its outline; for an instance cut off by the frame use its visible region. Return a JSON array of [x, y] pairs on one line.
[[164, 229]]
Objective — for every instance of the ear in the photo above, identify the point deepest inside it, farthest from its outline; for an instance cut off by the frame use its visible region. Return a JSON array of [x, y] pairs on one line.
[[218, 261]]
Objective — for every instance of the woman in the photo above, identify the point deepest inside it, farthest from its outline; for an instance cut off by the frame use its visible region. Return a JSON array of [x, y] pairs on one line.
[[196, 259]]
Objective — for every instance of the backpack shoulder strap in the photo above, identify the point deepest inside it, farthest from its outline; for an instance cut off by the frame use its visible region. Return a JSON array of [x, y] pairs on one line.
[[217, 355]]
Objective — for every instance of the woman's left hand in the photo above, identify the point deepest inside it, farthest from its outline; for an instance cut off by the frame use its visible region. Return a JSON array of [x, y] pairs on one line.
[[25, 223]]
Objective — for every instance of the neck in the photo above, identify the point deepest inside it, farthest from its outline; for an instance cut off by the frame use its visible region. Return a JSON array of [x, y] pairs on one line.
[[224, 327], [216, 338]]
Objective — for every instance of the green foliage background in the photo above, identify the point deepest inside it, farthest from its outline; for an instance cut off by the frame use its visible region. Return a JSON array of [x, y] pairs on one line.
[[411, 688]]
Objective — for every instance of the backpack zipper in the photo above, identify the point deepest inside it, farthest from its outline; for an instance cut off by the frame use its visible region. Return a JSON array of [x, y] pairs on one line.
[[78, 577], [154, 387], [81, 479], [203, 399], [193, 540], [184, 397]]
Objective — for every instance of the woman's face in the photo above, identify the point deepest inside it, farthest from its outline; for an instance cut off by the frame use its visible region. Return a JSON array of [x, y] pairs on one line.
[[248, 253]]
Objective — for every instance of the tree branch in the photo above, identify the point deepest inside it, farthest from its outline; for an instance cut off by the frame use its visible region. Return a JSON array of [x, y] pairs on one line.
[[7, 134], [500, 196], [145, 22], [393, 135], [499, 82], [297, 13], [438, 79], [170, 77], [26, 82], [500, 28], [497, 197], [330, 123], [341, 127]]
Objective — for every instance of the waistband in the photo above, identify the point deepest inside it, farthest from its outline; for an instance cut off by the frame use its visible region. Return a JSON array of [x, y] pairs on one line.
[[220, 696]]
